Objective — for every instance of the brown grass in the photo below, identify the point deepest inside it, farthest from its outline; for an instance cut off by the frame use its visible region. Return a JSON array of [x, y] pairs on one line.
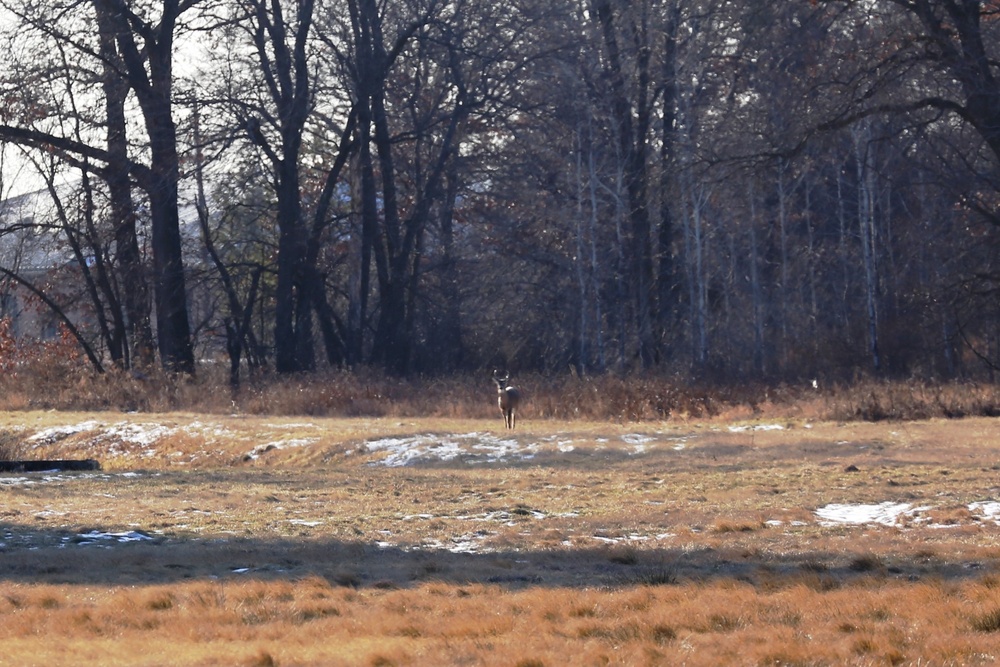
[[625, 538], [11, 445], [311, 622], [58, 384]]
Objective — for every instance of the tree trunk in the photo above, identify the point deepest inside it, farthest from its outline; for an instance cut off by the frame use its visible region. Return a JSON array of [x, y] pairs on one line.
[[286, 74], [153, 91], [131, 276], [866, 223], [595, 286], [581, 353], [782, 194], [632, 145], [239, 334], [293, 339], [756, 293], [668, 289], [451, 329], [173, 329]]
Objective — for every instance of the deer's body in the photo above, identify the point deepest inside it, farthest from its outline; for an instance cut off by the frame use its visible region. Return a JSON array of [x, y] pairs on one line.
[[508, 398]]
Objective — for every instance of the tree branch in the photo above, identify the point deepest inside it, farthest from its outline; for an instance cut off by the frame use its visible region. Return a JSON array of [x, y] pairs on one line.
[[69, 148]]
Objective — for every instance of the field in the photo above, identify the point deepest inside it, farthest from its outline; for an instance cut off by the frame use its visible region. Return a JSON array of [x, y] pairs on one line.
[[256, 540]]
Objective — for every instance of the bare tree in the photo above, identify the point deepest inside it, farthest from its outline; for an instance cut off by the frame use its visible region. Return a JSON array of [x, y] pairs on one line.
[[144, 47]]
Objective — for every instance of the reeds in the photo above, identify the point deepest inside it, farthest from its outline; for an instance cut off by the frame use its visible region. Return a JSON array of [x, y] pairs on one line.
[[695, 623], [11, 445], [62, 385]]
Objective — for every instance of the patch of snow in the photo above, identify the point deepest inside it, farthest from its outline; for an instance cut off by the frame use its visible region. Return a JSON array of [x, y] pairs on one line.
[[680, 442], [461, 544], [465, 544], [639, 441], [57, 433], [256, 452], [498, 449], [295, 442], [475, 448], [471, 447], [49, 478], [990, 509], [886, 514], [756, 427], [139, 434], [203, 429], [632, 537], [96, 536], [637, 438]]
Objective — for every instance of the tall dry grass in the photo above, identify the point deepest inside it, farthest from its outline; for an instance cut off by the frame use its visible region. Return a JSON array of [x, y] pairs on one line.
[[50, 377], [313, 622], [11, 445]]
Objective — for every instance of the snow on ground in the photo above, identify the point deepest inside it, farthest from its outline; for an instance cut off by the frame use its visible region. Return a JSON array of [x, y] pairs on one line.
[[135, 433], [887, 513], [125, 438], [100, 537], [989, 509], [119, 438], [257, 451], [22, 479], [475, 447], [57, 433], [471, 447], [638, 441], [122, 435], [756, 427]]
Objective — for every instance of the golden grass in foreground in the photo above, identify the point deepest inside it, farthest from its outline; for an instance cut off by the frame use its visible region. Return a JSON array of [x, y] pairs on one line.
[[311, 622], [657, 543]]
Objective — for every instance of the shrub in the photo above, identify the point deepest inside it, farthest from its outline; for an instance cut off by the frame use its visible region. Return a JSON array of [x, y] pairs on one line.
[[11, 447], [53, 375], [988, 621]]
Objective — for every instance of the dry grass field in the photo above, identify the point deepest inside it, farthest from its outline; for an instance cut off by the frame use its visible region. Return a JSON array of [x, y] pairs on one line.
[[212, 539]]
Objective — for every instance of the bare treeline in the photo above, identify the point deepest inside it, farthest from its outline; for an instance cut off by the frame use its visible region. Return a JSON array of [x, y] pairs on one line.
[[728, 188]]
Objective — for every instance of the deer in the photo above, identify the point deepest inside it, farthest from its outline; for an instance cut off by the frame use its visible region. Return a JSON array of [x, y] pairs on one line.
[[508, 398]]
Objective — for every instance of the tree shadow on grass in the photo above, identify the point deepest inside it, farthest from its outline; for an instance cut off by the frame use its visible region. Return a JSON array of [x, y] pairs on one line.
[[60, 557]]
